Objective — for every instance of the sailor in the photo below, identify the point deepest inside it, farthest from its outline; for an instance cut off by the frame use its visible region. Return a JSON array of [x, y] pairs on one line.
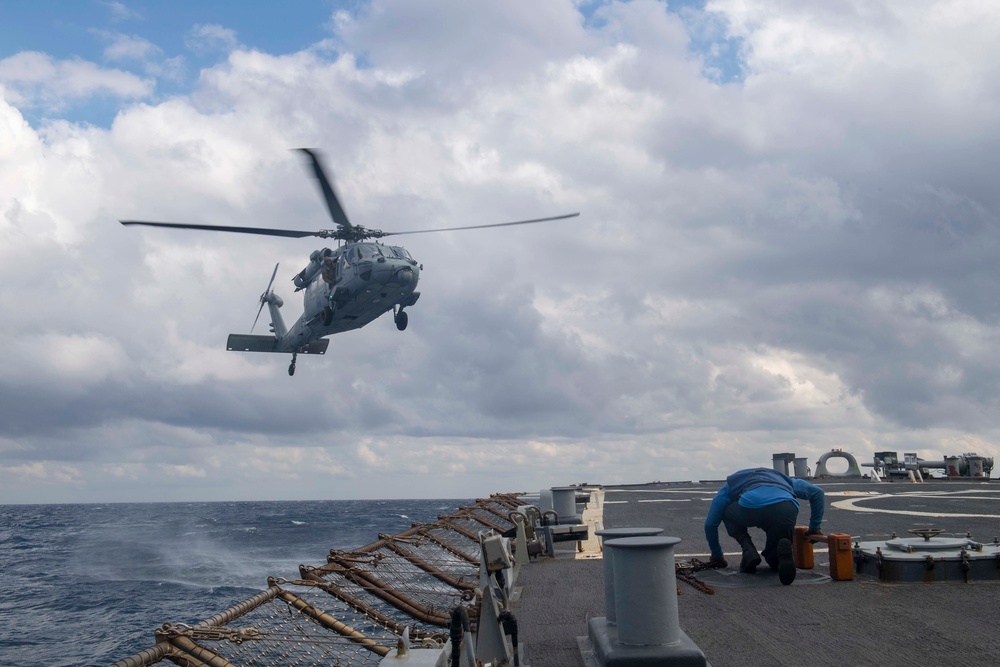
[[766, 499], [330, 267]]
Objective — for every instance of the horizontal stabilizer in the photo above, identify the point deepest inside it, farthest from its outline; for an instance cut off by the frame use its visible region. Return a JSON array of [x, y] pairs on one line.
[[318, 346], [251, 343]]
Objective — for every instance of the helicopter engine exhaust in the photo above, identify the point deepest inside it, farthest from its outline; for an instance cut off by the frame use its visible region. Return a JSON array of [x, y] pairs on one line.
[[305, 276]]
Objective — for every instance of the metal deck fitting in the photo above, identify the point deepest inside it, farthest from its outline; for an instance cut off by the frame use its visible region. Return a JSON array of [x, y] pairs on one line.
[[929, 557]]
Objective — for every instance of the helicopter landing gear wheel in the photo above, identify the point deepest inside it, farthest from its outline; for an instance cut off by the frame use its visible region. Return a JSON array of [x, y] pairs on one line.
[[402, 319], [291, 366]]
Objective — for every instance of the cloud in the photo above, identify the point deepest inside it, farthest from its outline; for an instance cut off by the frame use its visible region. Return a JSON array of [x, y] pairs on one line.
[[798, 260], [206, 38], [174, 470], [43, 472], [36, 80], [79, 360], [119, 11], [136, 51], [128, 47]]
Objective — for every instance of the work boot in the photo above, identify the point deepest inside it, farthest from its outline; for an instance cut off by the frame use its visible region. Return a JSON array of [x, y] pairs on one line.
[[786, 564], [751, 559]]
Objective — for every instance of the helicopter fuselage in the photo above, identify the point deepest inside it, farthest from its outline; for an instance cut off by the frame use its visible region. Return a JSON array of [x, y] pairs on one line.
[[345, 289]]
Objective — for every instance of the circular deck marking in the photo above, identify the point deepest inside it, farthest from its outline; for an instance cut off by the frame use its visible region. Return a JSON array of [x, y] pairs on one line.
[[659, 491], [851, 504], [853, 493]]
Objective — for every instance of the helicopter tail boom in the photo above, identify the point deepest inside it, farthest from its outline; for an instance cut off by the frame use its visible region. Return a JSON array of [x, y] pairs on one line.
[[252, 343]]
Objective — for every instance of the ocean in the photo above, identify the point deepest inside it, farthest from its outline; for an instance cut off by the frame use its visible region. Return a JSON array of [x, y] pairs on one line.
[[86, 585]]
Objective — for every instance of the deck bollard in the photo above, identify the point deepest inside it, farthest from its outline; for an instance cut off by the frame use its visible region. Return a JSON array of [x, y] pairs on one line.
[[780, 462], [645, 590], [647, 631], [801, 466], [609, 574], [545, 500], [564, 503]]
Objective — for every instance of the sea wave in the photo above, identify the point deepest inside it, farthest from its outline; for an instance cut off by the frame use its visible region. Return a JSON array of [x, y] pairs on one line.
[[87, 584]]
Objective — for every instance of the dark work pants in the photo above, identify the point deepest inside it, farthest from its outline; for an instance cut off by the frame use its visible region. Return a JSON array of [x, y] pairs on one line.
[[777, 521]]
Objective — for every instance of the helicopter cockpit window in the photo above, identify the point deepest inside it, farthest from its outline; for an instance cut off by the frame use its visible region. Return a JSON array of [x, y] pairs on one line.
[[393, 252], [366, 251]]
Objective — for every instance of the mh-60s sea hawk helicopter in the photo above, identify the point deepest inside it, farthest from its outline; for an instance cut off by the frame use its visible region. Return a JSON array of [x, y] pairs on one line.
[[345, 287]]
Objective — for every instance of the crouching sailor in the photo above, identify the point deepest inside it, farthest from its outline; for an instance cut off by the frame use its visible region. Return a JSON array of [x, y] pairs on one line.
[[766, 499]]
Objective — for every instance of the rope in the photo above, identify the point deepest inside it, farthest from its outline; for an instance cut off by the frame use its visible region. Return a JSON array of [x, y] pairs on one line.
[[372, 593]]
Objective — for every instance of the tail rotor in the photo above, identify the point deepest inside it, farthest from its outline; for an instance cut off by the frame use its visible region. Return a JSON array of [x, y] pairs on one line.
[[264, 297]]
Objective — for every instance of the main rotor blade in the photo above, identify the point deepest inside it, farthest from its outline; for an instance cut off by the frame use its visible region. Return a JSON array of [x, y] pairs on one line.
[[263, 231], [497, 224], [332, 203], [350, 233]]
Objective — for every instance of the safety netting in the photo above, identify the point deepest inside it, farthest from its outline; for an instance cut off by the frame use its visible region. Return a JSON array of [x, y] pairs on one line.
[[353, 609]]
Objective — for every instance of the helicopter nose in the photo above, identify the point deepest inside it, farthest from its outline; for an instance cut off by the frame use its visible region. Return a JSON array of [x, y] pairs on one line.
[[405, 276]]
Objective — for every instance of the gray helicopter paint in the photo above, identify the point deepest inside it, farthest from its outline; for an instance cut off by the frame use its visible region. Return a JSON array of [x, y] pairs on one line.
[[366, 289], [363, 290], [365, 281]]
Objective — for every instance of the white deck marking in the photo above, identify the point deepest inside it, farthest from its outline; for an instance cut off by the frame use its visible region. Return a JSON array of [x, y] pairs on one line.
[[853, 493], [665, 500], [851, 504], [658, 491]]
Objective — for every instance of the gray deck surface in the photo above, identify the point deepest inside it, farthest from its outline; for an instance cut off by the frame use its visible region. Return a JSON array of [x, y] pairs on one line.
[[860, 622]]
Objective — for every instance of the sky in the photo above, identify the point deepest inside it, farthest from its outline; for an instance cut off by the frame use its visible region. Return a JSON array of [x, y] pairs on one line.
[[787, 242]]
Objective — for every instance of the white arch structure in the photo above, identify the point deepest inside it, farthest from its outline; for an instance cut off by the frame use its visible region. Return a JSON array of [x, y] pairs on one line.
[[853, 469]]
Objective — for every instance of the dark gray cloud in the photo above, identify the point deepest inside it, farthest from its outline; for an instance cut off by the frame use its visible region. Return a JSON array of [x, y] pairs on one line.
[[797, 260]]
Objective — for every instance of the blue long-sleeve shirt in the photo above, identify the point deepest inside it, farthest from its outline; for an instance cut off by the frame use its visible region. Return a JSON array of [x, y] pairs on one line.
[[762, 496]]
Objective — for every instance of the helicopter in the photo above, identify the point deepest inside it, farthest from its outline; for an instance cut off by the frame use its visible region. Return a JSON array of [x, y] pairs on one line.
[[346, 287]]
